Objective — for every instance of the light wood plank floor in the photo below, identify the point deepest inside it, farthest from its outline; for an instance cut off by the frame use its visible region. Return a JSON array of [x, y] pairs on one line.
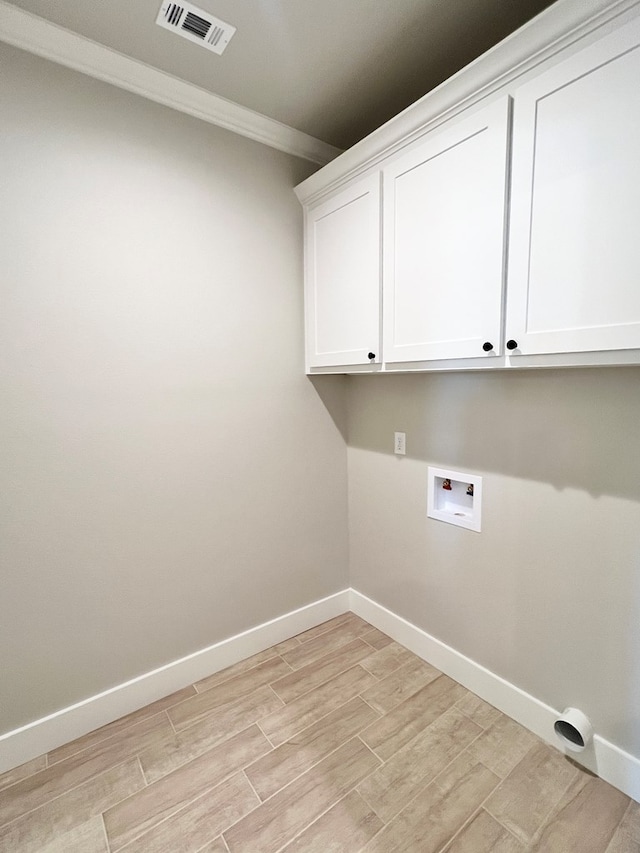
[[336, 741]]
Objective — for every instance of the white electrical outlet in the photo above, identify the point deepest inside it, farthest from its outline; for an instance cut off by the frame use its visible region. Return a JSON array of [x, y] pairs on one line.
[[399, 443]]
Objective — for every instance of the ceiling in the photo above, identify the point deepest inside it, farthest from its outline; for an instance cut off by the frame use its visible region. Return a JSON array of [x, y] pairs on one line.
[[335, 69]]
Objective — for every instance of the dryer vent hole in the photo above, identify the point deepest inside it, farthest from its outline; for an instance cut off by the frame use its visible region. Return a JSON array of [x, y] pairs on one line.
[[568, 732]]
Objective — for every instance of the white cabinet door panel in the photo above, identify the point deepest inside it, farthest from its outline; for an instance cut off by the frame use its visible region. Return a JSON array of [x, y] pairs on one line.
[[444, 223], [574, 265], [342, 296]]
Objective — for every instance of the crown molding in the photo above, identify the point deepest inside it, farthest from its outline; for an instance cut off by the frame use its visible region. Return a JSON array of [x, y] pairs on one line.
[[34, 34]]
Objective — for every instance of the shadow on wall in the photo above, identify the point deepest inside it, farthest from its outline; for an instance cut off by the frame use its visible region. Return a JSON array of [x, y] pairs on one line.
[[577, 428], [630, 713], [331, 390]]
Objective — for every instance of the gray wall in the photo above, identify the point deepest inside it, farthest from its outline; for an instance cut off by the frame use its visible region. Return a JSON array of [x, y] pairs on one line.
[[169, 477], [548, 595]]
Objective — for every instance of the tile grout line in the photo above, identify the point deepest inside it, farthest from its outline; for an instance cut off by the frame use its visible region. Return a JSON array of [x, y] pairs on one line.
[[378, 678], [552, 811], [334, 628], [323, 717], [543, 820], [222, 840], [406, 698], [469, 717], [346, 669], [345, 641], [375, 755], [202, 793], [102, 741], [260, 800], [513, 769], [104, 832], [165, 712], [207, 843], [269, 741], [396, 668], [282, 704], [231, 677], [67, 791], [422, 788], [480, 808], [144, 775], [224, 738], [483, 804], [173, 728], [316, 818], [420, 732], [375, 710], [624, 814], [361, 795], [308, 769], [448, 843], [458, 829], [23, 778], [220, 708], [227, 735]]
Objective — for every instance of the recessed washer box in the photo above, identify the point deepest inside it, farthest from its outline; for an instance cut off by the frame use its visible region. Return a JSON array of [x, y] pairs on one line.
[[454, 497]]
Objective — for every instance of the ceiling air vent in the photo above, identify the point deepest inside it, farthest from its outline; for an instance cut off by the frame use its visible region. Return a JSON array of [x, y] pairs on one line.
[[192, 23]]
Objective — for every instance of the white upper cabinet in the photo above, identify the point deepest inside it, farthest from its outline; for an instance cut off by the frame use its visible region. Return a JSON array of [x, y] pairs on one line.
[[496, 222], [342, 280], [444, 226], [574, 261]]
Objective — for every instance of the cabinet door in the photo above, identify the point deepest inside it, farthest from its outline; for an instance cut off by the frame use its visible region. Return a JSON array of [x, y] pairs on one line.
[[342, 295], [444, 225], [574, 261]]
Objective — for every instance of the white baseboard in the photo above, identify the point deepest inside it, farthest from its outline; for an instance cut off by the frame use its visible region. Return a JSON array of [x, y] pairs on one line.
[[65, 725], [611, 763]]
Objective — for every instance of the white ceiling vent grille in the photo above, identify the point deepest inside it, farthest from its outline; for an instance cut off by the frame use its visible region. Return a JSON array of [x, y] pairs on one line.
[[196, 25]]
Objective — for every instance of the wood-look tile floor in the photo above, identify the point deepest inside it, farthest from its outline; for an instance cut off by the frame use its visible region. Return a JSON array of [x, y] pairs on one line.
[[336, 741]]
